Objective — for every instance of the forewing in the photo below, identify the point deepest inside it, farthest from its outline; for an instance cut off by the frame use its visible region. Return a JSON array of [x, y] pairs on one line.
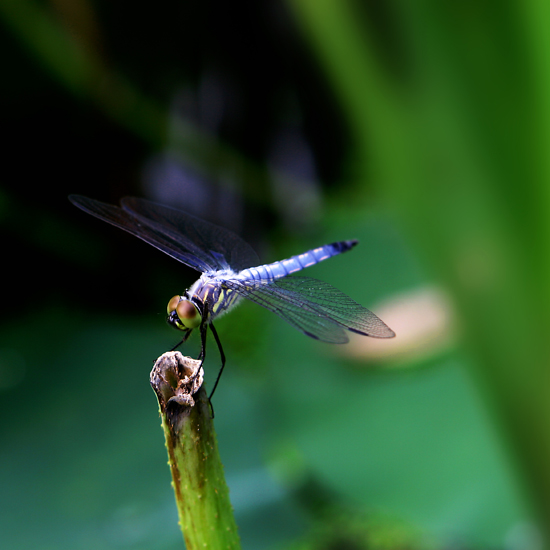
[[316, 308], [223, 248], [165, 229]]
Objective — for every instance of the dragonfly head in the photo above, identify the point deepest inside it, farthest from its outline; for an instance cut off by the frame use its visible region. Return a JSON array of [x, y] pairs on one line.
[[183, 314]]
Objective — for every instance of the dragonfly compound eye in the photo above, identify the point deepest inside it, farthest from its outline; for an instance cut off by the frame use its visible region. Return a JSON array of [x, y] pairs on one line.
[[188, 316], [173, 304]]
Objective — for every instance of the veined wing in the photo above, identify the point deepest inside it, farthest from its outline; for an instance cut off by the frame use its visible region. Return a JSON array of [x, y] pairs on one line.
[[314, 307], [192, 241]]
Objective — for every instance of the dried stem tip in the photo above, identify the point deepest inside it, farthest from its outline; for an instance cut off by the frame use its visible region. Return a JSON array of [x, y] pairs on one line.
[[175, 379]]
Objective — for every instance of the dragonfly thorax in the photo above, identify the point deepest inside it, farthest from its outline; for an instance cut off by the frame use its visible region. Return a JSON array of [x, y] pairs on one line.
[[212, 294]]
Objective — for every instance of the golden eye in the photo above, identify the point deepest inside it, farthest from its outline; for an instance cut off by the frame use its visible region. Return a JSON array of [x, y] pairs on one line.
[[173, 304], [188, 314], [186, 310]]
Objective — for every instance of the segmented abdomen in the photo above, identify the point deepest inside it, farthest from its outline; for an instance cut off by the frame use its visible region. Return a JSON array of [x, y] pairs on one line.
[[276, 270]]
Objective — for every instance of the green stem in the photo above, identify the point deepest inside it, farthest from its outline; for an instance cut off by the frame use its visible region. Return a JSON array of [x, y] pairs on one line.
[[202, 495]]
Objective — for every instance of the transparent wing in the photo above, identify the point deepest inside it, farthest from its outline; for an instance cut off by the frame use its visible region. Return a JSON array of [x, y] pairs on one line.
[[192, 241], [314, 307]]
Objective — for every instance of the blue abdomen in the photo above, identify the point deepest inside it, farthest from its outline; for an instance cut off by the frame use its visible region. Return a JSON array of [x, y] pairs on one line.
[[282, 268]]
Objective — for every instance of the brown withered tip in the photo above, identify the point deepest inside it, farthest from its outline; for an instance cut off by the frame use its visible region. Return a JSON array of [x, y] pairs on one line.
[[175, 380]]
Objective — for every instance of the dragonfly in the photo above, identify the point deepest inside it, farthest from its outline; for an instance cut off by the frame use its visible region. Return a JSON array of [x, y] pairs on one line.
[[230, 270]]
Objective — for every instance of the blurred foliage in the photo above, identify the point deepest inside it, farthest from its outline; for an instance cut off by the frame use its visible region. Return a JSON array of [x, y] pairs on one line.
[[339, 530], [420, 128]]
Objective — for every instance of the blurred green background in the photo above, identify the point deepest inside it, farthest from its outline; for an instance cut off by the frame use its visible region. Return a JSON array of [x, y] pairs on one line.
[[420, 128]]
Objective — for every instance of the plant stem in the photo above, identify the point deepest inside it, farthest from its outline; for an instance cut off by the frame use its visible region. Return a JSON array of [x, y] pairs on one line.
[[202, 496]]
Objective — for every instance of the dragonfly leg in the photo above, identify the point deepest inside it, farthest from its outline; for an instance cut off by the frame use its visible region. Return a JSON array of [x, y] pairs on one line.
[[203, 330], [202, 354], [183, 340], [222, 355]]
